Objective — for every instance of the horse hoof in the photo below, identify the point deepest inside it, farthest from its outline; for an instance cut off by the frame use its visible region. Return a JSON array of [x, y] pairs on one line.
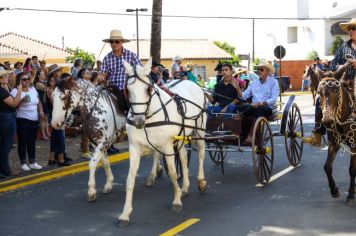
[[177, 208], [106, 190], [91, 197], [123, 223], [335, 193], [350, 200], [184, 194], [160, 173], [202, 185], [150, 183]]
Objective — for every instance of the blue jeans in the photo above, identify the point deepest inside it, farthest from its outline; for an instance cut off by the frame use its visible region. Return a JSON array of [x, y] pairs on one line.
[[57, 145], [231, 109], [7, 133]]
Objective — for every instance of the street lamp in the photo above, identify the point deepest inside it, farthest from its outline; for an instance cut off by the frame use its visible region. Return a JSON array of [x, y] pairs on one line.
[[137, 10]]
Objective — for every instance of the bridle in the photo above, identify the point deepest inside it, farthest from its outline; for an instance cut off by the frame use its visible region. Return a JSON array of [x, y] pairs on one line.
[[149, 92]]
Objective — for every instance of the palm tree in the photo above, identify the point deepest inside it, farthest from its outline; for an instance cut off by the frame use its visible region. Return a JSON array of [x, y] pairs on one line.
[[156, 30]]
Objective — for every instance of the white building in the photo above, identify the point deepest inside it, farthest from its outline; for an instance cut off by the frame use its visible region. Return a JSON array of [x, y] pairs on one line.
[[302, 36]]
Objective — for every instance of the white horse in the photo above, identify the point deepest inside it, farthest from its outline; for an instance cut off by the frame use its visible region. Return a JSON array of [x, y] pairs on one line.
[[154, 119], [102, 120]]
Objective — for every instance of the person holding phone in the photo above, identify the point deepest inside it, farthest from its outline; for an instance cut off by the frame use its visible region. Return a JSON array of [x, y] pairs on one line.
[[28, 111]]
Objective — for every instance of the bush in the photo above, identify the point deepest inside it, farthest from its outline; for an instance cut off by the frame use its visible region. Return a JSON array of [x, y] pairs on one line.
[[335, 45], [312, 55], [87, 57]]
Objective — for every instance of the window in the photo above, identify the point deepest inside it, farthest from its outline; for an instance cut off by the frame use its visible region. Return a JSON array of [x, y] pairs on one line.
[[292, 34]]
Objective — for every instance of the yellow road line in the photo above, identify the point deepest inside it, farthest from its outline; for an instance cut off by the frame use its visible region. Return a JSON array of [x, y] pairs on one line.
[[279, 174], [180, 227], [54, 174]]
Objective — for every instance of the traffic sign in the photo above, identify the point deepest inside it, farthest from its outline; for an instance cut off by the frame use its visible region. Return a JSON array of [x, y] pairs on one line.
[[279, 52]]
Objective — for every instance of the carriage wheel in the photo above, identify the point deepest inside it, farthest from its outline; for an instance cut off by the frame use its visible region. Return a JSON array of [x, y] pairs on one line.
[[293, 134], [217, 156], [262, 150]]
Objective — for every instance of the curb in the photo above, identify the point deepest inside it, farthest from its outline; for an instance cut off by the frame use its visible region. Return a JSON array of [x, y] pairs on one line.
[[37, 178]]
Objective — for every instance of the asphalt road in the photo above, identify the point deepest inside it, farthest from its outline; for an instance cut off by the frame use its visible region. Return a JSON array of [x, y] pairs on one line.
[[297, 203]]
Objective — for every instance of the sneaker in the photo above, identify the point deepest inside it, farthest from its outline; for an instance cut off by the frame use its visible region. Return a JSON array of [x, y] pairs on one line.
[[25, 167], [35, 166]]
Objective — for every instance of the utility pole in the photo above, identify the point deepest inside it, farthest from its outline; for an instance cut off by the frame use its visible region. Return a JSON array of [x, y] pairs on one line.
[[137, 38]]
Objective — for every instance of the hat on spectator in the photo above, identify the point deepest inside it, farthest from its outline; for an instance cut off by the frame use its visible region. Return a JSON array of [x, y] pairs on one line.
[[345, 26], [18, 63], [116, 35], [267, 65], [189, 66], [4, 72], [53, 68], [177, 58], [240, 71], [154, 64]]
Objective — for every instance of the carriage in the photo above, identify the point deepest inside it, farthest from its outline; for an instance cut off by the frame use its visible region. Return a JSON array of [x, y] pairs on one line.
[[225, 135]]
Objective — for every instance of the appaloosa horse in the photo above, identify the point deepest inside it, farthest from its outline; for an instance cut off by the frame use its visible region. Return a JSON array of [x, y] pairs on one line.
[[103, 123], [155, 118], [338, 107]]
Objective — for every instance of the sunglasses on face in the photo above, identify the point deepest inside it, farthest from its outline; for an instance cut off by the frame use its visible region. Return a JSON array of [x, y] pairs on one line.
[[115, 41], [352, 28], [261, 69], [25, 79]]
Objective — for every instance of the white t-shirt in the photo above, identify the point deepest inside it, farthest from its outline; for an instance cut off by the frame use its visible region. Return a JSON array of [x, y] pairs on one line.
[[27, 110]]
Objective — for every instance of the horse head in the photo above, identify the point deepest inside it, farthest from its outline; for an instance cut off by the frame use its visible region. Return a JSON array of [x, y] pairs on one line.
[[138, 91], [66, 97], [330, 92]]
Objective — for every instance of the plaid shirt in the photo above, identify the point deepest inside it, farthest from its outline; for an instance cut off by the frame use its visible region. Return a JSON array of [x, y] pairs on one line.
[[115, 69], [340, 59]]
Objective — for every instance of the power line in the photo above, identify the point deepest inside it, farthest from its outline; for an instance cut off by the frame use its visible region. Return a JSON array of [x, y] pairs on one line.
[[176, 16]]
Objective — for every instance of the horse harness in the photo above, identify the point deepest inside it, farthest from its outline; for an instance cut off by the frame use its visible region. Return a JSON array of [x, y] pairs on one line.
[[181, 106]]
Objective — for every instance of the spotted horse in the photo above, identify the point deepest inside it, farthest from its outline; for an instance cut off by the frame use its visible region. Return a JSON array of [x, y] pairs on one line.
[[103, 122]]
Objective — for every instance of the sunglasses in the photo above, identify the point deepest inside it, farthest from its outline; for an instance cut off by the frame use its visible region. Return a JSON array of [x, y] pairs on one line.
[[25, 79], [114, 41], [352, 28], [261, 69]]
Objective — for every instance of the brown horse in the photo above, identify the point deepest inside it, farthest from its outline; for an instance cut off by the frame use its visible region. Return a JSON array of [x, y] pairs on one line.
[[338, 103], [313, 74]]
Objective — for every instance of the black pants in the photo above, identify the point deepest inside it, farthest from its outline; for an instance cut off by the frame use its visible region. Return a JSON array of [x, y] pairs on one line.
[[26, 135], [120, 93], [248, 110]]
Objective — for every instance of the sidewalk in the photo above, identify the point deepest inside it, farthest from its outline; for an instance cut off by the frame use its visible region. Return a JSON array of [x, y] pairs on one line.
[[42, 153]]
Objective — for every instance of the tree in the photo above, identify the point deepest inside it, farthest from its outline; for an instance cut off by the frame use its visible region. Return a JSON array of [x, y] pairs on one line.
[[87, 57], [156, 25], [335, 45], [235, 61], [312, 55]]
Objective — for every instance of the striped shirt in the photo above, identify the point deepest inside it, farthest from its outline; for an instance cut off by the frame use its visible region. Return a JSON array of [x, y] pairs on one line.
[[114, 67], [345, 49]]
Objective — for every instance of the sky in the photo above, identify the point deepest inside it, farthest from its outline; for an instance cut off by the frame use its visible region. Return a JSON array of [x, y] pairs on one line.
[[87, 30]]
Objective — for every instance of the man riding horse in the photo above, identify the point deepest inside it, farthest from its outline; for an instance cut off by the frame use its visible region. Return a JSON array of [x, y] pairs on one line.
[[347, 49]]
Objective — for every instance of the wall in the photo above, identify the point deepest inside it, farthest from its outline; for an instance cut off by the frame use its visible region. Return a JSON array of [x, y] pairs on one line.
[[209, 65], [295, 70]]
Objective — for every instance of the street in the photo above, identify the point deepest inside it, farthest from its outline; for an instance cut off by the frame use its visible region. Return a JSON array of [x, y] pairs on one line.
[[296, 203]]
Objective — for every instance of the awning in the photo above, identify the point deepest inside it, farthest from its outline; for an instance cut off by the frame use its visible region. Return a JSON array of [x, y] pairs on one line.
[[336, 30]]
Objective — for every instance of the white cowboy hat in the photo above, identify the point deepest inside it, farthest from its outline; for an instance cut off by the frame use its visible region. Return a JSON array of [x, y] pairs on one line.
[[345, 25], [177, 58], [116, 35], [267, 65], [189, 66], [4, 72]]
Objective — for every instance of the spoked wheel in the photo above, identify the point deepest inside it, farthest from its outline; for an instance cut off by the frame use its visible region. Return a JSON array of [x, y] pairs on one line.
[[177, 161], [293, 136], [217, 156], [262, 150]]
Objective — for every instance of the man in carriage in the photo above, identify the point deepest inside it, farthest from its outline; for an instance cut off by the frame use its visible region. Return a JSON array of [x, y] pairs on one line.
[[347, 51], [264, 93]]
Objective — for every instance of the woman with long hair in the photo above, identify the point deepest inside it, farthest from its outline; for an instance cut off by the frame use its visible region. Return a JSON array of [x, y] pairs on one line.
[[8, 106], [28, 112]]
